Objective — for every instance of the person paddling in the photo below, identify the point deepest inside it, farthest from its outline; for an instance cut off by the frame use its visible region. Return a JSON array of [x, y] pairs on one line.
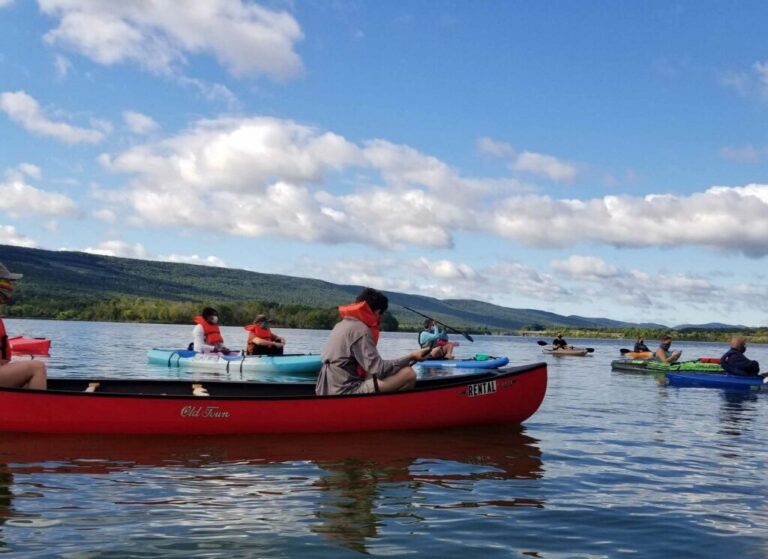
[[261, 340], [559, 342], [736, 363], [351, 361], [640, 346], [19, 374], [206, 336], [663, 354], [436, 340]]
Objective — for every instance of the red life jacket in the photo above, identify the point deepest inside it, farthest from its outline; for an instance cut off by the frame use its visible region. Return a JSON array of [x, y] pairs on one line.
[[362, 312], [256, 331], [211, 331], [5, 345]]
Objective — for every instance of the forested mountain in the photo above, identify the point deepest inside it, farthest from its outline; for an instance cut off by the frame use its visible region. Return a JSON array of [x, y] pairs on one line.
[[59, 284]]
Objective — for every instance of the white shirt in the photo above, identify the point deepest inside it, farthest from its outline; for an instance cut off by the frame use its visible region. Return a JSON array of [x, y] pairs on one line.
[[198, 340]]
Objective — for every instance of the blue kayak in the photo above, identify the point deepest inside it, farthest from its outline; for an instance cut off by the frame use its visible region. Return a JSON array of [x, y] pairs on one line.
[[477, 362], [297, 364], [704, 380]]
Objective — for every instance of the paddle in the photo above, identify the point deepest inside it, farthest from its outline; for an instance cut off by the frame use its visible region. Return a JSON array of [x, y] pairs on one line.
[[589, 349], [467, 336]]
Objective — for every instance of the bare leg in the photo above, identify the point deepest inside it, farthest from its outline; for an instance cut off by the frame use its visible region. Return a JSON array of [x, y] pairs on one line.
[[24, 374], [404, 379]]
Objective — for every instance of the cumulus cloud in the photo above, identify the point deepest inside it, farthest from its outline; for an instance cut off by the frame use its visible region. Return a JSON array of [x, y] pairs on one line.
[[106, 215], [24, 109], [744, 154], [244, 37], [139, 123], [118, 248], [584, 267], [725, 218], [9, 236], [19, 198], [489, 146], [62, 66], [546, 166]]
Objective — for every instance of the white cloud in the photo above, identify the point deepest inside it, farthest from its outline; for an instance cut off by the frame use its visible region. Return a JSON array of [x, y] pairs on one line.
[[24, 109], [726, 218], [9, 236], [105, 215], [194, 259], [246, 38], [5, 3], [19, 198], [139, 123], [23, 170], [489, 146], [584, 267], [62, 65], [545, 166], [744, 154], [118, 248]]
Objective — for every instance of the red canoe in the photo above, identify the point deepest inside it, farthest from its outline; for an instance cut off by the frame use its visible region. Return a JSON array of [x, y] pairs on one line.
[[21, 345], [175, 407]]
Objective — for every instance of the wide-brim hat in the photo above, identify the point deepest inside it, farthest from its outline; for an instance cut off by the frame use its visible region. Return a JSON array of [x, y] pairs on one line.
[[6, 274]]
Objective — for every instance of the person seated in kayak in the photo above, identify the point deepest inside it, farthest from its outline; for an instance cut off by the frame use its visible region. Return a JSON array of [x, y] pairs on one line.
[[351, 363], [640, 346], [436, 340], [261, 340], [663, 354], [736, 363], [206, 336], [19, 374], [559, 342]]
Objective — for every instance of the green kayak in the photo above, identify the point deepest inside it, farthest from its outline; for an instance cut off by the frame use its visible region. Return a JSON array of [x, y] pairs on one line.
[[651, 366]]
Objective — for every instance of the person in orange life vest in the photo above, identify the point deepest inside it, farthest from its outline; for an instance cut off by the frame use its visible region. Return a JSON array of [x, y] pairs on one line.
[[261, 340], [206, 335], [19, 374], [351, 362]]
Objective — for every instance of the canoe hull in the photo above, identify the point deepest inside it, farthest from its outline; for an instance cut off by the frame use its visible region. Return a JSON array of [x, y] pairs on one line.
[[639, 355], [21, 345], [168, 407], [657, 367], [728, 382], [300, 364], [575, 352]]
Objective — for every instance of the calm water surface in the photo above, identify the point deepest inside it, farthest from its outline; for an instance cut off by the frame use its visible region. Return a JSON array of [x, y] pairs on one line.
[[613, 465]]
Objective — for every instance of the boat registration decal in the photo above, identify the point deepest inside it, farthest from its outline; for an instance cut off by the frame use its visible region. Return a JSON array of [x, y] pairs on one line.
[[481, 388], [207, 412]]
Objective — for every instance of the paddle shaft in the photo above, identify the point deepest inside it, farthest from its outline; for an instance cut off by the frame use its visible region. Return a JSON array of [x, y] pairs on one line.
[[467, 336]]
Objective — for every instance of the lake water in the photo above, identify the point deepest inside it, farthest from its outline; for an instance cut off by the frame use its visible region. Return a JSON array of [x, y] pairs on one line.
[[613, 464]]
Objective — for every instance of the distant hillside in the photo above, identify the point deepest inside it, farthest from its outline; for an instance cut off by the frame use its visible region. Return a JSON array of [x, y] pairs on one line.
[[711, 326], [57, 277]]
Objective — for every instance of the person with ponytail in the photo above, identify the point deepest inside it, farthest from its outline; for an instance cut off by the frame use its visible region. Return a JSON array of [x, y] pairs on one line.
[[19, 374], [351, 361]]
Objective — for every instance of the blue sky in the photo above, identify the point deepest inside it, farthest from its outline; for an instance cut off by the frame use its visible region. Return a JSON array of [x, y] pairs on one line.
[[592, 158]]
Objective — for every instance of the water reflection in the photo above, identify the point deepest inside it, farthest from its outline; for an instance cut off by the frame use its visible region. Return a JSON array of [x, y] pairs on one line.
[[360, 482], [737, 409]]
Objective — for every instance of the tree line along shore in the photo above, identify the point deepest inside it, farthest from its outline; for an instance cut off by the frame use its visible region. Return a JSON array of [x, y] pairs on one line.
[[233, 313]]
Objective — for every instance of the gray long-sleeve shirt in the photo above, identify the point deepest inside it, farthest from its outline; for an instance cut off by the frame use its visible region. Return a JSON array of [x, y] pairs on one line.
[[351, 343]]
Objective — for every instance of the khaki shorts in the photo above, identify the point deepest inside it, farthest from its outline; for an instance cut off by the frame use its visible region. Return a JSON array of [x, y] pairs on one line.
[[368, 386]]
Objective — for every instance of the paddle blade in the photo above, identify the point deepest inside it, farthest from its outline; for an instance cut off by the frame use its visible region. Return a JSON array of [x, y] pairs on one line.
[[624, 350], [542, 342], [590, 350], [467, 336]]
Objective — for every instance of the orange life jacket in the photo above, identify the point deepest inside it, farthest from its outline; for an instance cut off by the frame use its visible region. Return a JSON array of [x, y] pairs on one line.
[[211, 331], [362, 312], [256, 331], [5, 345]]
